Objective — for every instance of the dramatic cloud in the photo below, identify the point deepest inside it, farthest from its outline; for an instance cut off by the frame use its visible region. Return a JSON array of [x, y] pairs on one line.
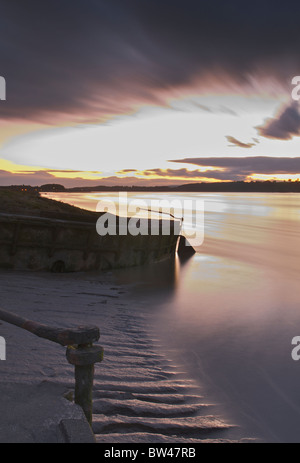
[[39, 178], [84, 59], [126, 171], [241, 168], [236, 142], [212, 169], [195, 175], [32, 178], [284, 126]]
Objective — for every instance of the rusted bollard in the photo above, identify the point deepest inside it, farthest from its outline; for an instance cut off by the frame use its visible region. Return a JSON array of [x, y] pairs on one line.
[[84, 357]]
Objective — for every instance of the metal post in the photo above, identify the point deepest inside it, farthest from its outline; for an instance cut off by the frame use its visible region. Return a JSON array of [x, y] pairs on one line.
[[84, 378], [84, 357]]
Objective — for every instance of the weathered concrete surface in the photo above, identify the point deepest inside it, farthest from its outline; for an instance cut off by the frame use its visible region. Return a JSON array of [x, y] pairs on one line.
[[36, 243], [40, 414]]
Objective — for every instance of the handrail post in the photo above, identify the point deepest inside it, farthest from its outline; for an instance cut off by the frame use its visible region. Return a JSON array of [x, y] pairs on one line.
[[80, 352], [84, 357]]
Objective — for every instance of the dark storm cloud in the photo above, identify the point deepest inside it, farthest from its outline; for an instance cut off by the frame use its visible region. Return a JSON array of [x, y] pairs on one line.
[[91, 57], [284, 126], [241, 168]]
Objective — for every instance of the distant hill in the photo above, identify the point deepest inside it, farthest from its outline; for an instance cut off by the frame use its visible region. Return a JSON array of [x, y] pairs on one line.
[[238, 187]]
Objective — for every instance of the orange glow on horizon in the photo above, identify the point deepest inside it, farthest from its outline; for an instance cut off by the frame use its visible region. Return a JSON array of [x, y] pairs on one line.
[[13, 168], [148, 177], [277, 177]]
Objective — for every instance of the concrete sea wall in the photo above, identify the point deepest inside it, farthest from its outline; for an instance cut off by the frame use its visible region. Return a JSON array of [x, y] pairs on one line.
[[37, 243]]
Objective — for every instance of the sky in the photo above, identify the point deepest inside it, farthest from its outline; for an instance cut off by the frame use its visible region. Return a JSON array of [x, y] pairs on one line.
[[148, 92]]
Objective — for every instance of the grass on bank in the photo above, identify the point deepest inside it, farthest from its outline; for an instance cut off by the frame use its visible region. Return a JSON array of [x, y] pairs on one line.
[[30, 203]]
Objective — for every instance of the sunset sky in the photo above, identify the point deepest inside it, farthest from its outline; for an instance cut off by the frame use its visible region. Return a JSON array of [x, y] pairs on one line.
[[148, 92]]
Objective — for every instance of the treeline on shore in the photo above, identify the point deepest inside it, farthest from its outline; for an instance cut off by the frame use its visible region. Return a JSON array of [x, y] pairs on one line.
[[222, 187]]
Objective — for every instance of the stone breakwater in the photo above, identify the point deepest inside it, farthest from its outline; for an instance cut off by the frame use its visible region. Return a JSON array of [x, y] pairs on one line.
[[40, 243]]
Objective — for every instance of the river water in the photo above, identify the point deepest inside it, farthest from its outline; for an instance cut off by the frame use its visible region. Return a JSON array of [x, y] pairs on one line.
[[231, 310]]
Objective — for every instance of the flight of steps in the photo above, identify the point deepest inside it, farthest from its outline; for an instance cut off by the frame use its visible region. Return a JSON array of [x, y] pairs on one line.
[[140, 395]]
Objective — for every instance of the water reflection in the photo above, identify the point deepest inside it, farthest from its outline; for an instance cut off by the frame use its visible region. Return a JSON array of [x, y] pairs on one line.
[[231, 324], [160, 279], [232, 310]]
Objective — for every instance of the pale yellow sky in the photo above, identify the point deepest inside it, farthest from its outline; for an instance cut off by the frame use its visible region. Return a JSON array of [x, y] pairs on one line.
[[195, 126]]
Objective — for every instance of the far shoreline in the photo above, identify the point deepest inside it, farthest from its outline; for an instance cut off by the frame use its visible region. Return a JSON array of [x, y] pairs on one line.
[[267, 186]]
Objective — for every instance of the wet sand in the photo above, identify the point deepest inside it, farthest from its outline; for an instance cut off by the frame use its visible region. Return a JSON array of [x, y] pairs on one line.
[[140, 393]]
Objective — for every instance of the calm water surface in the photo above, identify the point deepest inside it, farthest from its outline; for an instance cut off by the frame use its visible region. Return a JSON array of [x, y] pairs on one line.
[[232, 310]]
